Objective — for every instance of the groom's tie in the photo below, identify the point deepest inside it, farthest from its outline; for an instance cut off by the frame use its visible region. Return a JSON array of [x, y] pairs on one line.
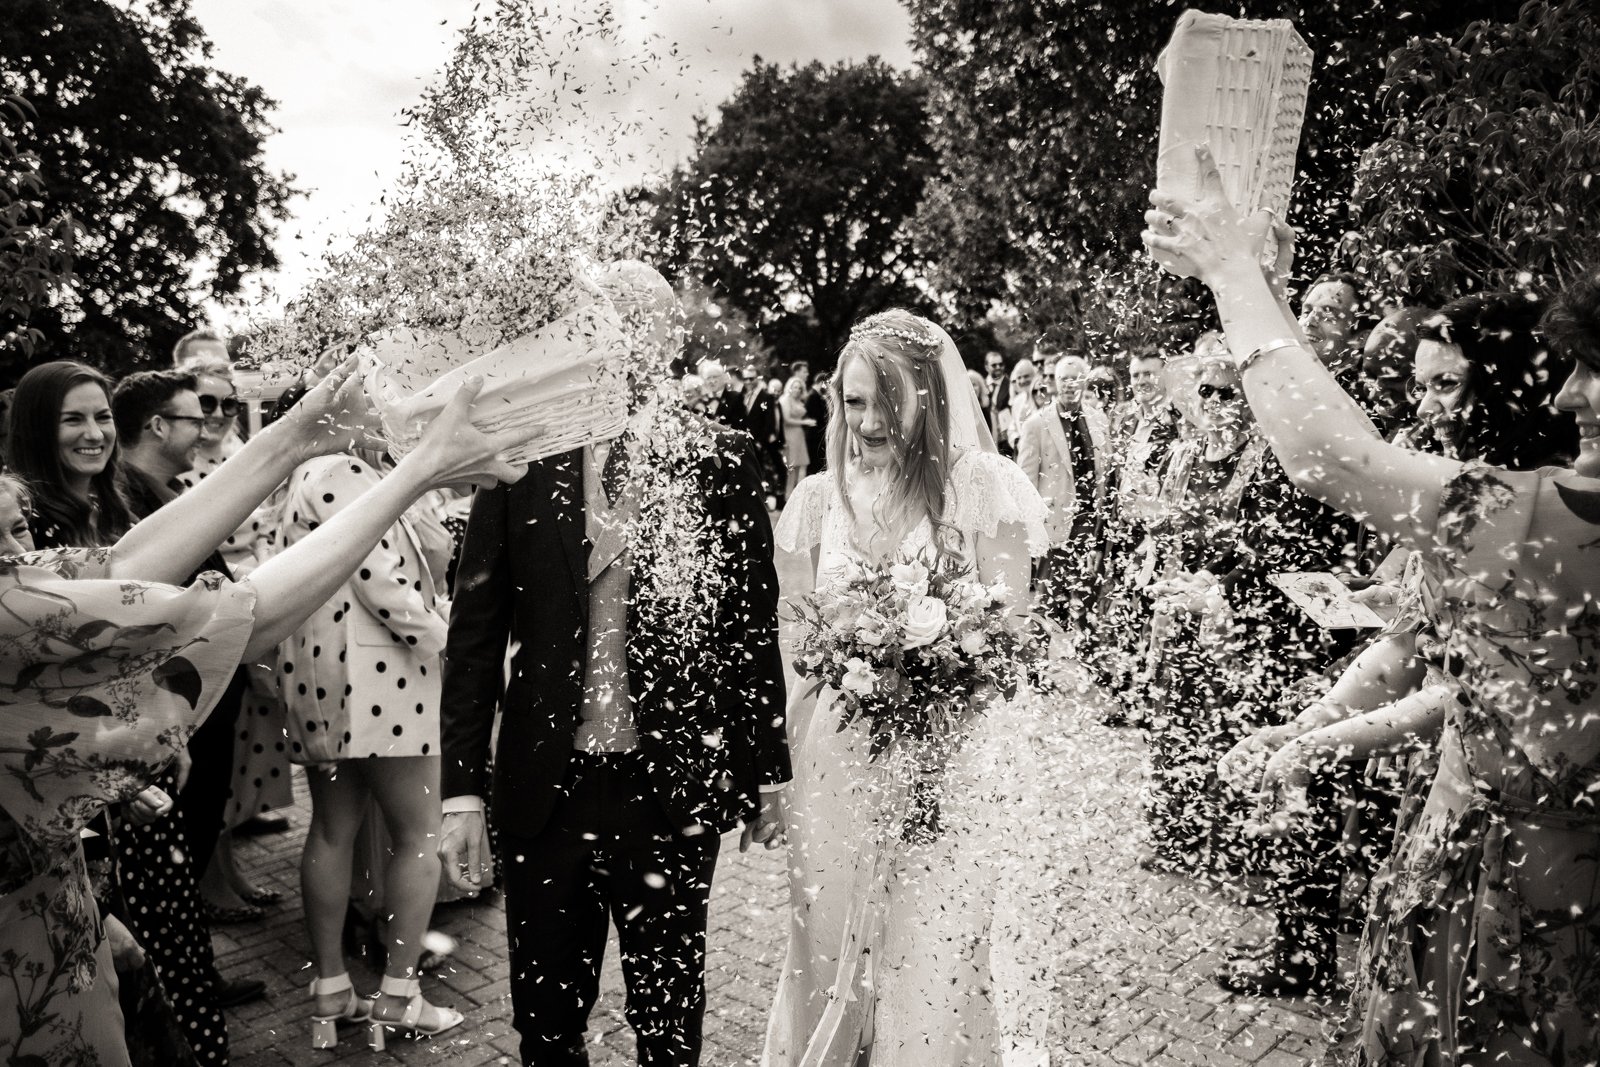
[[614, 475], [607, 533]]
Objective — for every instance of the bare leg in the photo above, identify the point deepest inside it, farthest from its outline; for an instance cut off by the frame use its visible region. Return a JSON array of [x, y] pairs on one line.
[[407, 791], [222, 882], [338, 801]]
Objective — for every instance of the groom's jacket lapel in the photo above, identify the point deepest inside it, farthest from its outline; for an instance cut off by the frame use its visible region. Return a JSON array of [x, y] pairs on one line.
[[566, 500]]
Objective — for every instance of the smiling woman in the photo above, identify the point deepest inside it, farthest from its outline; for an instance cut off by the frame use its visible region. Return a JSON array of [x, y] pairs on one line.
[[63, 444]]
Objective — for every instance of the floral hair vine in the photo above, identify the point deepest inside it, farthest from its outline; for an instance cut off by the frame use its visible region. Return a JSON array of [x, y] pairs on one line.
[[922, 346]]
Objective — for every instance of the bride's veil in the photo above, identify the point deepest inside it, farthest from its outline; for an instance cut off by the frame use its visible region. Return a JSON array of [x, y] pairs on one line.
[[969, 430]]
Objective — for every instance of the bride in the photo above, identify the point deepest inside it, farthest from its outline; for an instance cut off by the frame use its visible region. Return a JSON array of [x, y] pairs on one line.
[[888, 955]]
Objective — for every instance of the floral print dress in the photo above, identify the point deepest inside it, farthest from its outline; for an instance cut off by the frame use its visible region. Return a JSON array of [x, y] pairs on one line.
[[1483, 939], [103, 682]]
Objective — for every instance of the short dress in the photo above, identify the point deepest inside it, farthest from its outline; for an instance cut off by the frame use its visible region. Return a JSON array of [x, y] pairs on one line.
[[104, 682], [796, 451], [361, 678]]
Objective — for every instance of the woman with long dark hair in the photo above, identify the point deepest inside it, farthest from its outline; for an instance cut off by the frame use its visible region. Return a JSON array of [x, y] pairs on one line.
[[1485, 385], [63, 444]]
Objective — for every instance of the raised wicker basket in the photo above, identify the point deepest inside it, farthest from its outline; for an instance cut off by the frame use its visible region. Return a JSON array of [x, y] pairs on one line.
[[566, 377], [1239, 85]]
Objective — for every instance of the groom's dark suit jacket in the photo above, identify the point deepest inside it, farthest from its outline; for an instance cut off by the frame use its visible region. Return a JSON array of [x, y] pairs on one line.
[[710, 718]]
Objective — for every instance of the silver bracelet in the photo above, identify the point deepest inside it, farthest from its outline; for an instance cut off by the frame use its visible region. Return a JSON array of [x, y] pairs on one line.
[[1271, 346]]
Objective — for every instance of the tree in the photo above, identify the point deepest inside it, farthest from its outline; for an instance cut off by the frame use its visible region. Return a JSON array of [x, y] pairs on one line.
[[795, 204], [1488, 174], [35, 249], [157, 156], [1046, 116]]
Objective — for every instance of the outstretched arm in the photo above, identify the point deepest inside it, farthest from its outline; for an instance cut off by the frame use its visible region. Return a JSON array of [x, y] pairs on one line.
[[1325, 442], [1384, 672], [1409, 723], [291, 585], [175, 540]]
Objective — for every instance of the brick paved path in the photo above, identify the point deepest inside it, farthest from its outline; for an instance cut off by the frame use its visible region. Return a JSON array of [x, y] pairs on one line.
[[1135, 988]]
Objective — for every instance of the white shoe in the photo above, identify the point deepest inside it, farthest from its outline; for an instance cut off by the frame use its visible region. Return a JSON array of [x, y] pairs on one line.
[[325, 1028], [410, 1022]]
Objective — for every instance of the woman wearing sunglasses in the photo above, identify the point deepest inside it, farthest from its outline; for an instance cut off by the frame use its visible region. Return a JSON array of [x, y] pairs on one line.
[[1227, 642], [220, 407]]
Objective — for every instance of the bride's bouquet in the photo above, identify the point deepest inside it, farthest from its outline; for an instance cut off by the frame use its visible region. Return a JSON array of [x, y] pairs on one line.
[[914, 650]]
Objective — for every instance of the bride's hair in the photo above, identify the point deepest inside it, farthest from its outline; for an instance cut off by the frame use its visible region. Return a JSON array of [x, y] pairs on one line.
[[903, 351]]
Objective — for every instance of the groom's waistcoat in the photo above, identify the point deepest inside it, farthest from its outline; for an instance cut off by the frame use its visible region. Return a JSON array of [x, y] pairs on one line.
[[710, 724]]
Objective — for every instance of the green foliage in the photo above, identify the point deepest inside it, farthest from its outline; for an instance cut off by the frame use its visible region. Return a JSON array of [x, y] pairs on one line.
[[1046, 114], [35, 249], [1488, 173], [156, 155], [795, 206]]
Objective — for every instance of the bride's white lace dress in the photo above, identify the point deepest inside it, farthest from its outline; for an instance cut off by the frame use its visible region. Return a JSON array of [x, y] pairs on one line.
[[890, 943]]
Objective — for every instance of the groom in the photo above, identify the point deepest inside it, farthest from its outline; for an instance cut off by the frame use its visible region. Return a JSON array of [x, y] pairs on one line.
[[623, 752]]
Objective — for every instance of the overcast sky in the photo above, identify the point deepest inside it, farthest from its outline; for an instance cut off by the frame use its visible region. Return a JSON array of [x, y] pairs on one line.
[[342, 69]]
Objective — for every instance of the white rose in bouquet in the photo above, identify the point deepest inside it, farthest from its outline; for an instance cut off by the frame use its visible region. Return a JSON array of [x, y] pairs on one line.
[[925, 621], [859, 677]]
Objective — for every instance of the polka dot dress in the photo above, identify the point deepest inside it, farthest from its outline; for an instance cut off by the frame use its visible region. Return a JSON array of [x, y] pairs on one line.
[[361, 678], [162, 903], [260, 751]]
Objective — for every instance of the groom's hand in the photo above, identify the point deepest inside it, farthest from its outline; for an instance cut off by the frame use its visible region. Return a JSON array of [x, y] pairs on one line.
[[464, 850], [767, 827]]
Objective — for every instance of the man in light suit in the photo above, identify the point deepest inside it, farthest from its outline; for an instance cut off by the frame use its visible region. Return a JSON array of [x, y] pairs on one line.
[[1065, 450]]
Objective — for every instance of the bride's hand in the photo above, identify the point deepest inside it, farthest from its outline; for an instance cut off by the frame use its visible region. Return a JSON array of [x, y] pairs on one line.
[[454, 452], [770, 826], [1204, 238]]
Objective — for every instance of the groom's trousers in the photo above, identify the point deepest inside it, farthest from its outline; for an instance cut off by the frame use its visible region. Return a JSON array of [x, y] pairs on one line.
[[609, 851]]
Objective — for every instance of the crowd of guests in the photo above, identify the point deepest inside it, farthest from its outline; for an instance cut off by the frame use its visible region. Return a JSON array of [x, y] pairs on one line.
[[787, 418], [88, 459], [1432, 777], [1301, 764]]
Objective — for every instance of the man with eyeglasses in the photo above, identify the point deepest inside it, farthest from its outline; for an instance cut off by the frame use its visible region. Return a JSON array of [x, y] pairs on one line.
[[159, 423], [159, 420]]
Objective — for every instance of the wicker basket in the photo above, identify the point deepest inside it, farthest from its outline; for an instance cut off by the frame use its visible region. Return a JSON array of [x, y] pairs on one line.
[[566, 377], [1239, 85]]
